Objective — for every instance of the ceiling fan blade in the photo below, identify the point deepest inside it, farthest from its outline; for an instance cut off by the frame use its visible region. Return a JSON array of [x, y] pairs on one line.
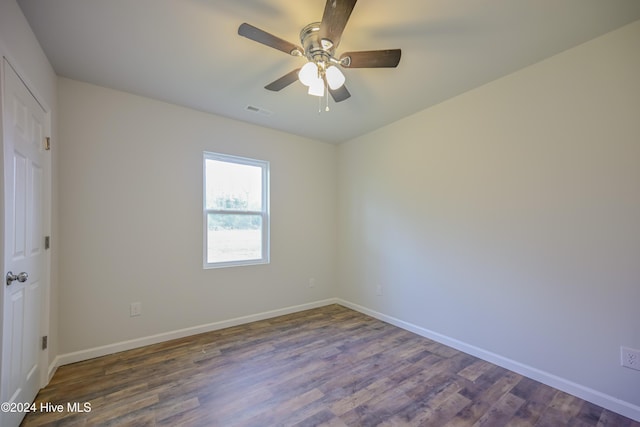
[[260, 36], [283, 81], [371, 58], [340, 94], [335, 17]]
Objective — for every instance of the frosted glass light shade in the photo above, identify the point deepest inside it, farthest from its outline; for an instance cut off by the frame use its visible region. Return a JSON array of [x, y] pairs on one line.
[[335, 78], [317, 87], [308, 74]]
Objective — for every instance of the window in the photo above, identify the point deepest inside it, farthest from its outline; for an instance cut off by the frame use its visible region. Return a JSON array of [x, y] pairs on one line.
[[236, 211]]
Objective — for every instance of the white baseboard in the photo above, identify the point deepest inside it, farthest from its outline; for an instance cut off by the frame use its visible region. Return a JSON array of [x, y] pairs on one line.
[[53, 367], [608, 402], [78, 356]]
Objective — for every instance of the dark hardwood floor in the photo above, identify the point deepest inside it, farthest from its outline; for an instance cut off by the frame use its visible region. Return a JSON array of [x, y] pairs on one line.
[[329, 366]]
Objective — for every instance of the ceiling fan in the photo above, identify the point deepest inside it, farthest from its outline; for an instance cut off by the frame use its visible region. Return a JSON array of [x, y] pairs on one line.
[[319, 42]]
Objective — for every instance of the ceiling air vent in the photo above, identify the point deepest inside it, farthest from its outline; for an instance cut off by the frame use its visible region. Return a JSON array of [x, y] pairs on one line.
[[258, 110]]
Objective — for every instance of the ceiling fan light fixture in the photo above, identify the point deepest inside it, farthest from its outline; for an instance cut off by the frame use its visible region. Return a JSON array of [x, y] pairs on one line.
[[335, 78], [308, 74], [316, 88], [322, 73]]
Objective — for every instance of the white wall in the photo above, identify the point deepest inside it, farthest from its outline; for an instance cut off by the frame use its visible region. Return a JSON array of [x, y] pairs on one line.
[[508, 218], [19, 45], [131, 218]]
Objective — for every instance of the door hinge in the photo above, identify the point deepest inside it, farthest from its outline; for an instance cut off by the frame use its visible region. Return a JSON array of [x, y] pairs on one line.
[[47, 242], [47, 143], [45, 342]]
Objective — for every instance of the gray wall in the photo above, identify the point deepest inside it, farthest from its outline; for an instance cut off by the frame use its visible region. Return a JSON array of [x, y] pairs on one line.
[[131, 218], [508, 218]]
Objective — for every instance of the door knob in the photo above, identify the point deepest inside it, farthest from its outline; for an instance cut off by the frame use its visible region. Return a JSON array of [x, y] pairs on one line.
[[20, 277]]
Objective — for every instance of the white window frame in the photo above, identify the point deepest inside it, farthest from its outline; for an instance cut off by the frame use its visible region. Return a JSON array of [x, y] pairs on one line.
[[264, 213]]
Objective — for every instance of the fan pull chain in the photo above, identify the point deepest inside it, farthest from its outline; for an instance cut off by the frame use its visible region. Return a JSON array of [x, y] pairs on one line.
[[327, 107]]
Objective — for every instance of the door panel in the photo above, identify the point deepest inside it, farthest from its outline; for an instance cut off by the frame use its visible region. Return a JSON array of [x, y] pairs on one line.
[[16, 315], [35, 229], [19, 205]]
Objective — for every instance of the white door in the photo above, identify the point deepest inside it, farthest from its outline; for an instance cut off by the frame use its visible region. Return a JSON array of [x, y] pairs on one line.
[[25, 208]]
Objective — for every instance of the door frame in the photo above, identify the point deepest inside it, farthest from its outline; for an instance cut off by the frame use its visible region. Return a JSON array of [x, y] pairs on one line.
[[45, 370]]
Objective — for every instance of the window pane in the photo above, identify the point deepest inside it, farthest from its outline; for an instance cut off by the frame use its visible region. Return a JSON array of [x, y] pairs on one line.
[[233, 237], [236, 211], [233, 186]]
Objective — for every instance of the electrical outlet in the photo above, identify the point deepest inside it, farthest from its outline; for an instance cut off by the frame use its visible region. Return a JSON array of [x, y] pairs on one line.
[[379, 290], [312, 283], [630, 358], [135, 309]]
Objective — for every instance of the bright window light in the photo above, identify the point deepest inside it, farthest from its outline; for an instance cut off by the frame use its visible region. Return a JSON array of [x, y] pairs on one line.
[[236, 211]]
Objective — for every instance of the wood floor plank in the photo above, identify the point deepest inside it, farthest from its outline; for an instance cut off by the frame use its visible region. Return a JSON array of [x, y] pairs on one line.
[[329, 366], [475, 370], [501, 412]]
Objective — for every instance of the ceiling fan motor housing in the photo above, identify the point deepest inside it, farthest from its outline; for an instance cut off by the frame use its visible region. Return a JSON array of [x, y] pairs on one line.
[[316, 50]]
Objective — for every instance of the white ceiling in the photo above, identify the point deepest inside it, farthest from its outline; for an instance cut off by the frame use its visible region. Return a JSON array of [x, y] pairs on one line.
[[188, 52]]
